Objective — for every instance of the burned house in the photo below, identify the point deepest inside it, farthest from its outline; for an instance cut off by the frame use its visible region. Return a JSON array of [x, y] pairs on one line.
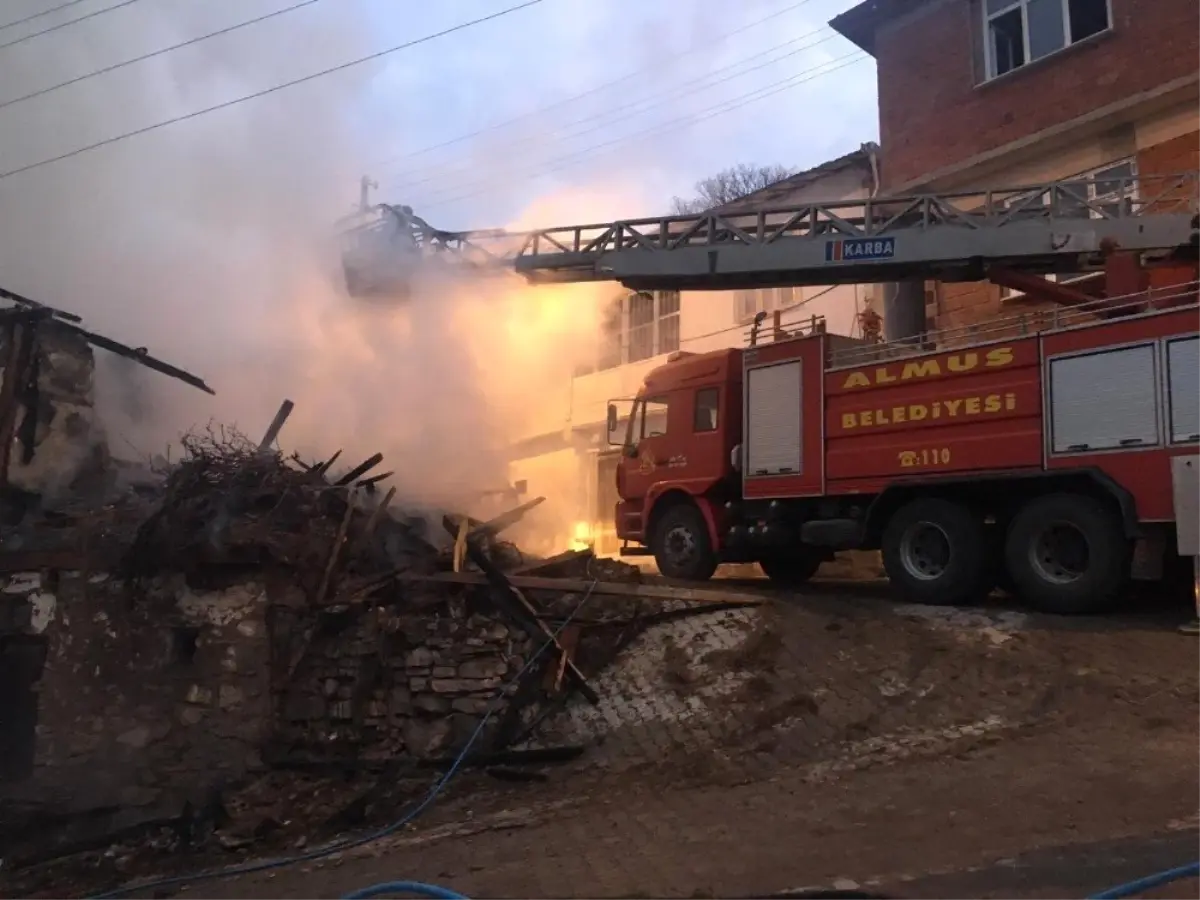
[[248, 614]]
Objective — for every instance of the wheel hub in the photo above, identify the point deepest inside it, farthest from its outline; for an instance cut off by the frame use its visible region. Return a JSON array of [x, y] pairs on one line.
[[1060, 555], [925, 551], [680, 544]]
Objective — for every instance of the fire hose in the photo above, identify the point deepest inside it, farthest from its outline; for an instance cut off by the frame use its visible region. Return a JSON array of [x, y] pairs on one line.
[[1121, 891]]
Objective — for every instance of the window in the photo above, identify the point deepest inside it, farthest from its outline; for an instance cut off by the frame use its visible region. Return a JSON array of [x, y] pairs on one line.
[[637, 327], [641, 326], [1017, 32], [1104, 400], [705, 417], [654, 423], [668, 321], [749, 303]]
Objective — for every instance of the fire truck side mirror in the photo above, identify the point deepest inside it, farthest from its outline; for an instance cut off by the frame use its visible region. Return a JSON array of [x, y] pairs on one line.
[[612, 420]]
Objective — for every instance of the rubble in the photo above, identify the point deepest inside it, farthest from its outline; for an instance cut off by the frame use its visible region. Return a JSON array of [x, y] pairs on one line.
[[248, 617]]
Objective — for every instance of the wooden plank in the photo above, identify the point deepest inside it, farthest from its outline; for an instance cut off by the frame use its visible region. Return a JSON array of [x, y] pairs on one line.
[[610, 588], [493, 527], [558, 559]]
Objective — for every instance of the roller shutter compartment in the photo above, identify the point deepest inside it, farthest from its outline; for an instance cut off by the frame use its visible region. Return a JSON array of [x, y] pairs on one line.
[[1183, 389], [1104, 400], [773, 396]]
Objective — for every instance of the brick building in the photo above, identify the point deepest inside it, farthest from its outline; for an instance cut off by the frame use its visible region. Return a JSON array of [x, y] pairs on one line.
[[1011, 92]]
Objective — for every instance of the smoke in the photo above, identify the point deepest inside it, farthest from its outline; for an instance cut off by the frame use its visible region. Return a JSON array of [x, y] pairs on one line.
[[210, 244]]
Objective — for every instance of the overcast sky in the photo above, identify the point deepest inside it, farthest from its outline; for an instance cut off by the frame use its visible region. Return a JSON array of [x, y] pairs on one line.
[[211, 241], [686, 73], [685, 109]]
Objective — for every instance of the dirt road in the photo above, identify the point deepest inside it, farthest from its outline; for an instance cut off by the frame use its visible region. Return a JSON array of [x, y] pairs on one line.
[[925, 752]]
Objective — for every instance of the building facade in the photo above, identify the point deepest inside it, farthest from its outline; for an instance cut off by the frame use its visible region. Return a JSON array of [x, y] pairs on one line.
[[998, 93], [575, 466]]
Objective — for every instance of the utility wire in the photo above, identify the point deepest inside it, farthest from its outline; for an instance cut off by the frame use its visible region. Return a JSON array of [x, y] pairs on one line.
[[265, 91], [589, 92], [91, 15], [44, 12], [490, 186], [137, 59], [604, 119]]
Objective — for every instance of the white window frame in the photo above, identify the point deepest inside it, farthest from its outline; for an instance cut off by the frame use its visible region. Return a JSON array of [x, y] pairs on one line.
[[663, 330], [749, 303], [1091, 176], [989, 54]]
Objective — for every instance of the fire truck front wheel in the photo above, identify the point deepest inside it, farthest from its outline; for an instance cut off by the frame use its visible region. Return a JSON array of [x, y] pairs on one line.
[[935, 551], [681, 545], [1068, 554]]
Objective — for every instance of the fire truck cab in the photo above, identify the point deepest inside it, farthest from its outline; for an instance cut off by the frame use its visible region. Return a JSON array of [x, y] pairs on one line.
[[1031, 459]]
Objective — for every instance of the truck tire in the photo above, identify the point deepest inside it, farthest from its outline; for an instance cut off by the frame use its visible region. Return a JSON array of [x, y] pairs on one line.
[[935, 551], [681, 545], [795, 568], [1068, 554]]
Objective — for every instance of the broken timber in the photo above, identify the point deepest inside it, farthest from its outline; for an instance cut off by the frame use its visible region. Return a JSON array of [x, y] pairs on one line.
[[69, 322], [612, 588], [520, 609]]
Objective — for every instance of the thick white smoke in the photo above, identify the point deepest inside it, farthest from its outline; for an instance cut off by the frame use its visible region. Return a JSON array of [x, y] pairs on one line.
[[209, 243]]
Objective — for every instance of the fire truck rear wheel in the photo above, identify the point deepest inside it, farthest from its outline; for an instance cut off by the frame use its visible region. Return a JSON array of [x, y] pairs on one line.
[[1068, 554], [682, 548], [935, 551]]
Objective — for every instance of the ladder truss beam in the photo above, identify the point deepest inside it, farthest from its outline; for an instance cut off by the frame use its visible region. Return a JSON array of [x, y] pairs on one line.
[[1056, 227]]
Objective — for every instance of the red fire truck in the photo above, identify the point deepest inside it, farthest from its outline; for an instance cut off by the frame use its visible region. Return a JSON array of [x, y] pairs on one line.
[[1033, 452]]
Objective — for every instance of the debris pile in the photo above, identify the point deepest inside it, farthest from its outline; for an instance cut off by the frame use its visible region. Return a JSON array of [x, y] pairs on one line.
[[313, 630]]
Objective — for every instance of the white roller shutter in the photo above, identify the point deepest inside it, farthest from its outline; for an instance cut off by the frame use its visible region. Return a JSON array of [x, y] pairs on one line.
[[1104, 400], [1183, 388], [773, 397]]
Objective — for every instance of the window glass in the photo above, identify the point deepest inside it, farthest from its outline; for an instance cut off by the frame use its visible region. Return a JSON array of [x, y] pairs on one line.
[[637, 422], [1006, 34], [655, 423], [707, 400], [1046, 32], [1087, 17]]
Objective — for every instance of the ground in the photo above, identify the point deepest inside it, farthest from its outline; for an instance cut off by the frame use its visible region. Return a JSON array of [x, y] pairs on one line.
[[827, 738]]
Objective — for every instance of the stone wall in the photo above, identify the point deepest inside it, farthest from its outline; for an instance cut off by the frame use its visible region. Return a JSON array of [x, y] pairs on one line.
[[385, 685], [123, 705], [119, 705]]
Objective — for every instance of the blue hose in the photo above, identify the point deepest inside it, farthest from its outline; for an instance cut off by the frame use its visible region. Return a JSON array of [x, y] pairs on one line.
[[1130, 888], [1119, 892], [432, 891]]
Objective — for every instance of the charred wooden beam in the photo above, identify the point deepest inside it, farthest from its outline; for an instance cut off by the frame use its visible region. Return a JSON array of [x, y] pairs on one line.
[[360, 470], [514, 604], [493, 527], [322, 468], [139, 355], [33, 304], [276, 426]]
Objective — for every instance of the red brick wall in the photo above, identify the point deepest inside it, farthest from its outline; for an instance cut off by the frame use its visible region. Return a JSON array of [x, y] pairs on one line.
[[1181, 154], [934, 114]]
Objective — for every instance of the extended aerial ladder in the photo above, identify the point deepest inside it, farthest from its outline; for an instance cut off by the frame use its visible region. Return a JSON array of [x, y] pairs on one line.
[[1060, 227]]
